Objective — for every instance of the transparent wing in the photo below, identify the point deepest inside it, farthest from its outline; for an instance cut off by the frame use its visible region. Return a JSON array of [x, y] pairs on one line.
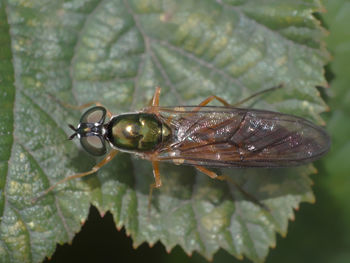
[[224, 136]]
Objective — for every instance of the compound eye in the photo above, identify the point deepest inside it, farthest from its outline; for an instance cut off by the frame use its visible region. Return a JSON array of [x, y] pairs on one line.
[[94, 115], [94, 145]]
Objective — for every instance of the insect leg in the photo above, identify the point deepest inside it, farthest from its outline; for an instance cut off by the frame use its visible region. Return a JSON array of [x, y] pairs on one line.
[[214, 175], [209, 99], [154, 103], [225, 103], [211, 174], [156, 184], [94, 169], [155, 99], [256, 94]]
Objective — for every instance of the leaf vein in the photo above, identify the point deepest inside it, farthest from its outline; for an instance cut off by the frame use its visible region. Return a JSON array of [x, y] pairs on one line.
[[264, 27], [70, 235], [201, 62]]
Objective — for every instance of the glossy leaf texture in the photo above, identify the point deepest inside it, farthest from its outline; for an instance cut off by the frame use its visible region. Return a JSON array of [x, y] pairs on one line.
[[116, 52]]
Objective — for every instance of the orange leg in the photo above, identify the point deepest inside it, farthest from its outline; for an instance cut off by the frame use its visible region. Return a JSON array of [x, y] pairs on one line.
[[94, 169], [211, 174], [155, 99], [154, 103], [156, 184], [225, 103], [257, 94], [214, 175], [211, 98]]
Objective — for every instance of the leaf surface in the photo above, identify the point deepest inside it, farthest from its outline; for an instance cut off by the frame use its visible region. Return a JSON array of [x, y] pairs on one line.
[[116, 52]]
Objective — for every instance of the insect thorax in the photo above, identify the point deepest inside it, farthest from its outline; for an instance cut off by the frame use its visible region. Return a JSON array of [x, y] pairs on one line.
[[137, 132]]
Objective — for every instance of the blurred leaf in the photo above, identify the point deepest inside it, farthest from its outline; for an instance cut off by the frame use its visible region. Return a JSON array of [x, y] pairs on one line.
[[336, 163], [117, 52]]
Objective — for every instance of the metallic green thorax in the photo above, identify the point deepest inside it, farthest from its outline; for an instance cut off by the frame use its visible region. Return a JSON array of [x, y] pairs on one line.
[[137, 132]]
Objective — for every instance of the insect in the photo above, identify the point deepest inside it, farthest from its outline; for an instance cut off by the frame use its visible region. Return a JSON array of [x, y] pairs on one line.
[[202, 136]]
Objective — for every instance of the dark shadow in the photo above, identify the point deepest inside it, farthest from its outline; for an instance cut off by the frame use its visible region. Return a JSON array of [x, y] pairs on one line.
[[100, 241]]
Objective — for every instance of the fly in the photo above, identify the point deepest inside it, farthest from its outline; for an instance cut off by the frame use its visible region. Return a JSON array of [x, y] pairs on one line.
[[202, 136]]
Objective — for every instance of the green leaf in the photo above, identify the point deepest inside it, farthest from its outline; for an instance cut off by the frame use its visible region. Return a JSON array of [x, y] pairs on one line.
[[337, 164], [116, 52]]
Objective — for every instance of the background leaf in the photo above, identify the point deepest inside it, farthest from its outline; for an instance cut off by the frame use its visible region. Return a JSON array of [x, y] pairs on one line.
[[117, 52]]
